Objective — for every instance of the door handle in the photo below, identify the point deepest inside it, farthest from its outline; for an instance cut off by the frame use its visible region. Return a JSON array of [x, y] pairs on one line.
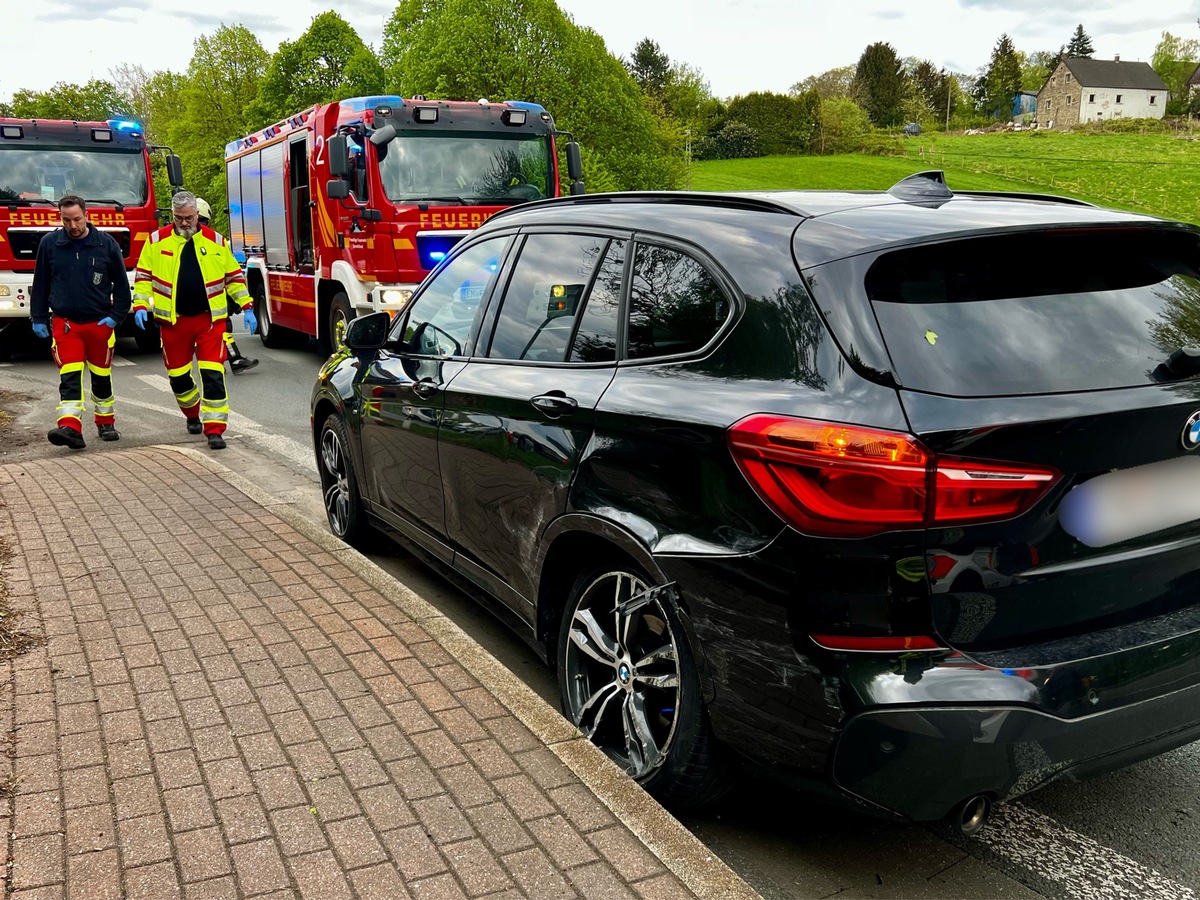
[[554, 405], [425, 388]]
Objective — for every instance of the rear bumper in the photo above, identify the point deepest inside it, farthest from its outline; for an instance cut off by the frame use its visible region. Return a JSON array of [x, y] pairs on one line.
[[921, 762]]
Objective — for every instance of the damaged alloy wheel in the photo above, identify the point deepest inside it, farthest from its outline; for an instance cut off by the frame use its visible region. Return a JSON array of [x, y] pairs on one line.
[[628, 681]]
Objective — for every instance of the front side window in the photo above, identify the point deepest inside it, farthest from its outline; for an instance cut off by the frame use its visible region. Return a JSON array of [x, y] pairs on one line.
[[545, 297], [441, 320], [675, 304]]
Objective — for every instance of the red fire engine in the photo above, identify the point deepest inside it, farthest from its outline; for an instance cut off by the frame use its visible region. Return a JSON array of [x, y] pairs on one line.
[[105, 163], [345, 207]]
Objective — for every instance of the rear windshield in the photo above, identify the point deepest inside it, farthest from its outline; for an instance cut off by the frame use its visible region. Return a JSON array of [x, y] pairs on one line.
[[1038, 312]]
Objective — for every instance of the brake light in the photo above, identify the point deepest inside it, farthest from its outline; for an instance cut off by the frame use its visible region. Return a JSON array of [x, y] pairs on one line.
[[833, 480]]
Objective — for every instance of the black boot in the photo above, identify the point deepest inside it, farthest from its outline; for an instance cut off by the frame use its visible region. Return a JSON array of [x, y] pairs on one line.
[[237, 361]]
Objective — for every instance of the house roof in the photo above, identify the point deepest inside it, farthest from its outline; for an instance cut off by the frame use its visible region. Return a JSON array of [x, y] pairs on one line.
[[1109, 73], [1194, 81]]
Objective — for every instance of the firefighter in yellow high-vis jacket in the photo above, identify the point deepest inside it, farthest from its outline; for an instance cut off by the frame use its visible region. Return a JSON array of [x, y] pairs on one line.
[[187, 278]]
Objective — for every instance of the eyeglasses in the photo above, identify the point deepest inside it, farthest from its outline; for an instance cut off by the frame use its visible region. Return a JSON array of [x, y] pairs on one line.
[[186, 220]]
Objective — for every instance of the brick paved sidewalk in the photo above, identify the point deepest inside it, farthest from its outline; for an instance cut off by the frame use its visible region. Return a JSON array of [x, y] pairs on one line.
[[229, 702]]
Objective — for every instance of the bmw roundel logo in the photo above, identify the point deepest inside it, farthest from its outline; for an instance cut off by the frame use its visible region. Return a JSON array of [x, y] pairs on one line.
[[1191, 431]]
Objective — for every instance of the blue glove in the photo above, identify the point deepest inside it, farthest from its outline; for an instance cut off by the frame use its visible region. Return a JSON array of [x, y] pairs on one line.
[[251, 321], [41, 330], [139, 319], [108, 322]]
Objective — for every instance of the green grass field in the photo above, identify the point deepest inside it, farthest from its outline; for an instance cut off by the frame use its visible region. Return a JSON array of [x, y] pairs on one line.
[[1150, 173]]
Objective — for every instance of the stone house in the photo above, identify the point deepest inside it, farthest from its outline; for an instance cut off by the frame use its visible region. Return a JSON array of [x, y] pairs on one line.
[[1095, 90]]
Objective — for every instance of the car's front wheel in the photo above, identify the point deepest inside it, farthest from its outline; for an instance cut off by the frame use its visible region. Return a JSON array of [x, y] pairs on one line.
[[339, 485], [628, 680]]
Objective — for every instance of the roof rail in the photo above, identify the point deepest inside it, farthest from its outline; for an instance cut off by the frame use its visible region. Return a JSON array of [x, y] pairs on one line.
[[681, 198], [1021, 195]]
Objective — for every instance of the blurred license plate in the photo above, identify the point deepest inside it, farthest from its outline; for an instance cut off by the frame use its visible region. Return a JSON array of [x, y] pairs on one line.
[[1132, 502]]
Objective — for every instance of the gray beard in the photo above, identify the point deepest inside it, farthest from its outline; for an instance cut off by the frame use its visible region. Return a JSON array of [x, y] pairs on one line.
[[186, 233]]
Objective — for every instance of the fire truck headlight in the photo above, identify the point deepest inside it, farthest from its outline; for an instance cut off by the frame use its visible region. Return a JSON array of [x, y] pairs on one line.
[[394, 296], [3, 290]]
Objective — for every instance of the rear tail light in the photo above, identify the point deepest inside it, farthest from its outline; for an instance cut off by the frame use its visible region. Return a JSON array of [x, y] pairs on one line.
[[832, 480]]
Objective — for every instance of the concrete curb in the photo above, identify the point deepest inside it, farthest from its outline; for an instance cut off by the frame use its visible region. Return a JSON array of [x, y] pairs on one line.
[[678, 849]]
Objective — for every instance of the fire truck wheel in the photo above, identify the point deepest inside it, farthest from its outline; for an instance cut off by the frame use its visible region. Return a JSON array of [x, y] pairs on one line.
[[272, 335], [340, 315]]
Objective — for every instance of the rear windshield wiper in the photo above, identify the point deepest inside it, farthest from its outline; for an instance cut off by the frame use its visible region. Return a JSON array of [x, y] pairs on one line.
[[1182, 363]]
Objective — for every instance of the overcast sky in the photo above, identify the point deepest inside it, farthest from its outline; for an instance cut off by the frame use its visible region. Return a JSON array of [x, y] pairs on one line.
[[739, 45]]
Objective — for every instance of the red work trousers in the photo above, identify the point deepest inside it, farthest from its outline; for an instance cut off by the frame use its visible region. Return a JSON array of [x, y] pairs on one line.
[[80, 345], [203, 339]]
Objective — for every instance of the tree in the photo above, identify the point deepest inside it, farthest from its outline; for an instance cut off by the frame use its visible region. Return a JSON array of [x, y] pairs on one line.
[[879, 85], [828, 85], [844, 126], [733, 140], [1036, 68], [211, 107], [328, 62], [1002, 82], [530, 49], [781, 123], [649, 66], [1080, 45], [1175, 60], [95, 101]]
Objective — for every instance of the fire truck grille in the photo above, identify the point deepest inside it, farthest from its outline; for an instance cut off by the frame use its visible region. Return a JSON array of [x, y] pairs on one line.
[[25, 241]]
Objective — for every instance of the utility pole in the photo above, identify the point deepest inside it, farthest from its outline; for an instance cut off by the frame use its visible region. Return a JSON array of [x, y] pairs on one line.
[[947, 103]]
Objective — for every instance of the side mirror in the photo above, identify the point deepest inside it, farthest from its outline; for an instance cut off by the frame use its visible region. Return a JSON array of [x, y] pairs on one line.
[[368, 332], [371, 215], [384, 136], [339, 162], [574, 161], [575, 168], [337, 189], [174, 170]]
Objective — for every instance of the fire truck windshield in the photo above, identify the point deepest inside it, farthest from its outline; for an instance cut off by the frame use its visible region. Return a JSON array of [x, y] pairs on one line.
[[466, 168], [36, 173]]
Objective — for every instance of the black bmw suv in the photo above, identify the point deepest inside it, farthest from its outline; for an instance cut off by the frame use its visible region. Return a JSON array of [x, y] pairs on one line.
[[897, 493]]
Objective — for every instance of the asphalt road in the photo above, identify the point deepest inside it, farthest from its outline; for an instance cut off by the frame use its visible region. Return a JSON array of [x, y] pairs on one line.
[[1135, 833]]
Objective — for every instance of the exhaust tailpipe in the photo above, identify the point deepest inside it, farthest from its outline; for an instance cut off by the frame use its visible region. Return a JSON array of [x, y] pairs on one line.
[[971, 815]]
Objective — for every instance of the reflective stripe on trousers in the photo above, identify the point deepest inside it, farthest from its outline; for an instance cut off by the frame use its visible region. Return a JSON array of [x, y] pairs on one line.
[[80, 345], [202, 339]]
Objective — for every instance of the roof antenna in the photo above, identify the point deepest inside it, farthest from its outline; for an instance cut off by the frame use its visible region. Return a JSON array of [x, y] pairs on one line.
[[929, 185]]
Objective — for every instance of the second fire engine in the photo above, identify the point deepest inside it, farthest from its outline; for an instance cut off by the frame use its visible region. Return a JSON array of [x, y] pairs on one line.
[[345, 207]]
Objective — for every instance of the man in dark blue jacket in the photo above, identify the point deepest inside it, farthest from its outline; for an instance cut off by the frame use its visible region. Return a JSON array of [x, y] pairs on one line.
[[80, 277]]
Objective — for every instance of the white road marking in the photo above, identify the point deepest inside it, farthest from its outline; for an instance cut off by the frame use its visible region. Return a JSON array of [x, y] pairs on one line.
[[158, 382], [122, 361], [1083, 868], [292, 450], [278, 443]]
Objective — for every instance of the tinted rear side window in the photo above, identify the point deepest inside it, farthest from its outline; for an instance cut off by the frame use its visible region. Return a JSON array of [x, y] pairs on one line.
[[1039, 312], [675, 304]]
